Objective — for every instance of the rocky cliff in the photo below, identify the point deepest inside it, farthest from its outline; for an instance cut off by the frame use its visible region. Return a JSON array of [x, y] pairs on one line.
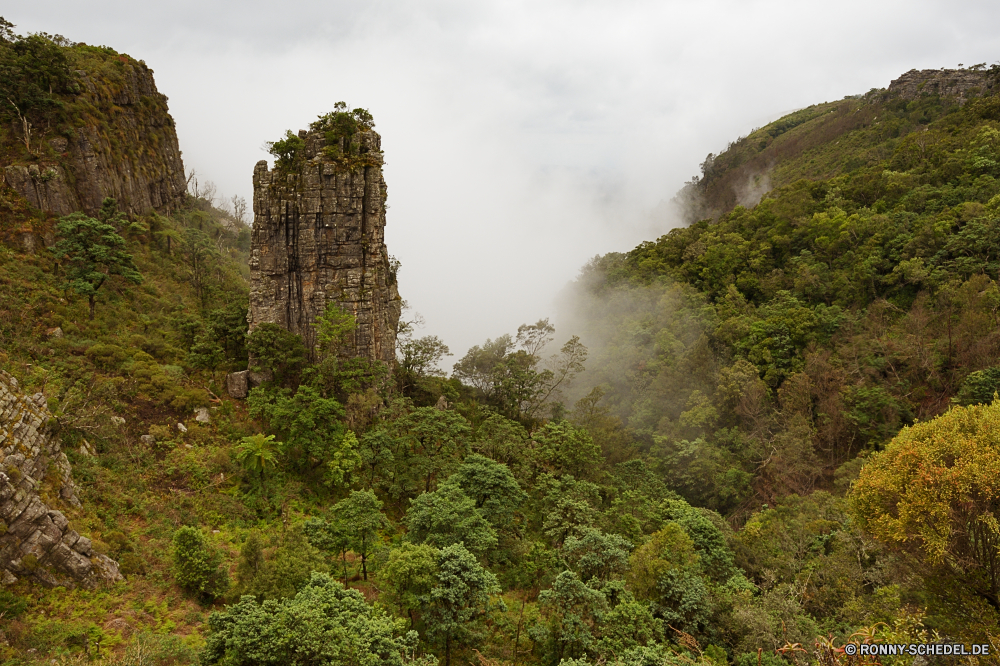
[[318, 238], [119, 141], [35, 538], [957, 83]]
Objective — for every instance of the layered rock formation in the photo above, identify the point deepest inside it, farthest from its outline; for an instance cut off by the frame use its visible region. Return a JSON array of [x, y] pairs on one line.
[[35, 538], [127, 149], [957, 83], [318, 239]]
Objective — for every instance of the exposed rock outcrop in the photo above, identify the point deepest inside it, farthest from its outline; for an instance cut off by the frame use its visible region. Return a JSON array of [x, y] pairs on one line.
[[35, 538], [127, 150], [957, 83], [318, 237]]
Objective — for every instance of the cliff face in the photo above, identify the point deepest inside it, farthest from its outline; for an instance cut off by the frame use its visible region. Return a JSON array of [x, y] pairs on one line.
[[122, 144], [957, 83], [35, 538], [318, 238]]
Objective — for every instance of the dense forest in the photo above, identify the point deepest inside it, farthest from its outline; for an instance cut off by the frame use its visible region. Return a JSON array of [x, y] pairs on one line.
[[752, 440]]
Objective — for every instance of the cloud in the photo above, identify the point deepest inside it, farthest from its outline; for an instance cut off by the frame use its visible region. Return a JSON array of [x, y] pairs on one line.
[[521, 137]]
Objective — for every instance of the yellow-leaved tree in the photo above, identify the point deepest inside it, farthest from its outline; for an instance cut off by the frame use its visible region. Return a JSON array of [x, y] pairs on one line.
[[934, 492]]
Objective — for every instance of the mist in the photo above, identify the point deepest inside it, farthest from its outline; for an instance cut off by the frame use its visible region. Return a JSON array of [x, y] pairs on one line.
[[521, 139]]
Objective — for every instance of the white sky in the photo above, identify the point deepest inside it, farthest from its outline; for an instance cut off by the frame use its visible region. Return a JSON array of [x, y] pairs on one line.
[[521, 138]]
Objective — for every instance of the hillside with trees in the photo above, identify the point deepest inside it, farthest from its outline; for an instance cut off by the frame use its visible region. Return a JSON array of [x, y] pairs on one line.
[[759, 436]]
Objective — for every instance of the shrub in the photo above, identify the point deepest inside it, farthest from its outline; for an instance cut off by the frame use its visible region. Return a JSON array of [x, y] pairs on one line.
[[196, 565]]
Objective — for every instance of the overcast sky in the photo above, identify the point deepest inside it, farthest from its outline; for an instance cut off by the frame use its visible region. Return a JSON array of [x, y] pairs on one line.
[[521, 138]]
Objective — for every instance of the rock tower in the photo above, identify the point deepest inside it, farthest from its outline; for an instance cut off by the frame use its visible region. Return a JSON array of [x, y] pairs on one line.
[[35, 538], [318, 238]]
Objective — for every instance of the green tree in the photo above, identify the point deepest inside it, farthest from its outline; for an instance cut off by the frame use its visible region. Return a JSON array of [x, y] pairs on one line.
[[566, 449], [420, 357], [336, 372], [256, 453], [329, 537], [714, 554], [34, 71], [322, 625], [93, 251], [934, 493], [574, 610], [431, 443], [360, 516], [288, 151], [251, 562], [409, 574], [448, 516], [276, 351], [979, 387], [594, 554], [223, 340], [288, 568], [461, 595], [666, 571], [311, 428], [197, 566], [492, 486], [201, 254]]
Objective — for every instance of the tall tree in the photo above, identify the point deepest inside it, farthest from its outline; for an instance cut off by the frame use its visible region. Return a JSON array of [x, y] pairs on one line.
[[448, 516], [94, 252], [461, 595], [934, 493], [360, 517]]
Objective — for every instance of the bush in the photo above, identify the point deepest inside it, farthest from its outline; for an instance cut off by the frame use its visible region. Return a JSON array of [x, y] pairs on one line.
[[196, 565], [979, 387], [322, 624]]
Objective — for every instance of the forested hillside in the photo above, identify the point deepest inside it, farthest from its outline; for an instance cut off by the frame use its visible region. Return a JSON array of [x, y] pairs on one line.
[[668, 481]]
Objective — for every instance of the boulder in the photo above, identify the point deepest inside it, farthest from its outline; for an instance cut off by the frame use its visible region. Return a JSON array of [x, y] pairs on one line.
[[237, 384]]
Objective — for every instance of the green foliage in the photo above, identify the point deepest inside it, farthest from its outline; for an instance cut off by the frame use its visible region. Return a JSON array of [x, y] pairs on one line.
[[277, 352], [492, 487], [934, 492], [251, 562], [513, 380], [289, 567], [575, 611], [461, 596], [979, 388], [565, 449], [361, 520], [333, 328], [715, 556], [594, 554], [33, 71], [223, 342], [409, 574], [666, 571], [197, 566], [288, 151], [448, 516], [323, 625], [340, 130], [430, 444], [311, 429], [11, 605], [256, 453], [93, 251]]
